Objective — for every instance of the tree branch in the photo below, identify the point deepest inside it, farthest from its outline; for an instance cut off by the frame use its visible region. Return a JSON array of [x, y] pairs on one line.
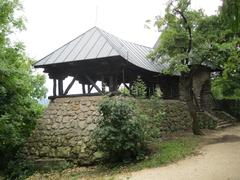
[[188, 29]]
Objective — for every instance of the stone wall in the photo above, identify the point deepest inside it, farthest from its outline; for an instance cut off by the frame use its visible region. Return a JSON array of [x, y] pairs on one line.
[[176, 118], [64, 130]]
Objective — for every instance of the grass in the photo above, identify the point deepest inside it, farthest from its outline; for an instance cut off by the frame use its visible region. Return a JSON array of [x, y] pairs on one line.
[[169, 151], [165, 152]]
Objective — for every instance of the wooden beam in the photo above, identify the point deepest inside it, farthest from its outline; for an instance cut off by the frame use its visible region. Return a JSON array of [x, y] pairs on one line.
[[60, 86], [126, 86], [69, 86], [93, 83], [90, 87], [54, 87]]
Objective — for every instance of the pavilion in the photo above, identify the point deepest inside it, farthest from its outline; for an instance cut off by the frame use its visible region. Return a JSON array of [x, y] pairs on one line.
[[97, 55]]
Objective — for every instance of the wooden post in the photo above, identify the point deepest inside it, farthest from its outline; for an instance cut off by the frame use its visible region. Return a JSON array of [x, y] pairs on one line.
[[131, 87], [115, 84], [88, 88], [60, 87], [54, 87], [103, 85], [83, 88], [111, 84]]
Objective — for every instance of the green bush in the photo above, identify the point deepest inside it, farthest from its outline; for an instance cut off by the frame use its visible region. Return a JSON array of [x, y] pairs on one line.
[[139, 88], [120, 134], [124, 91], [154, 112]]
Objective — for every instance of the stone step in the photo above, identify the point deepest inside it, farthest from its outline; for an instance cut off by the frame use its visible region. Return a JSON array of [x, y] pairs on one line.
[[222, 115], [222, 122], [223, 119], [224, 125]]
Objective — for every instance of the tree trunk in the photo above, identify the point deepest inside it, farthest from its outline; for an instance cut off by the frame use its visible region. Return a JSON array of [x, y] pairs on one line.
[[187, 81]]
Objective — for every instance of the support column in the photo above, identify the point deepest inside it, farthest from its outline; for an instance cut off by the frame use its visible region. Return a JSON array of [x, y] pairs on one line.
[[103, 85], [88, 88], [83, 88], [112, 84], [54, 87], [60, 87]]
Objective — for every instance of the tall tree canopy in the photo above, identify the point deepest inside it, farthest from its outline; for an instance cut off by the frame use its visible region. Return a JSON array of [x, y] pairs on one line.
[[181, 47], [227, 84], [230, 13], [20, 88], [190, 38]]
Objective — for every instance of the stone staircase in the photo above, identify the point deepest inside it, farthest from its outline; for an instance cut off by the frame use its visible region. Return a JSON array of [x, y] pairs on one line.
[[224, 119], [215, 119]]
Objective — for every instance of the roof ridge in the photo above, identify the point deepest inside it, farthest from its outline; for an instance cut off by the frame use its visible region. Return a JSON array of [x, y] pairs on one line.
[[111, 38], [122, 38], [110, 42]]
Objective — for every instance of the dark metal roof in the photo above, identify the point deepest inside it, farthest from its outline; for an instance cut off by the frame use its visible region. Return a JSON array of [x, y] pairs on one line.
[[97, 43]]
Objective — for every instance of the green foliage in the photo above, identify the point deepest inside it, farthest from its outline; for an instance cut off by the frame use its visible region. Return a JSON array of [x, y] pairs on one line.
[[139, 88], [230, 13], [20, 169], [19, 87], [206, 122], [120, 133], [214, 42], [127, 126], [221, 34], [169, 151], [154, 111], [226, 85], [180, 45], [124, 91], [230, 106]]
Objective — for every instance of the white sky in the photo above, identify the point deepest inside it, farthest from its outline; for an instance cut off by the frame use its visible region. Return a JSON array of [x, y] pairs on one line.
[[52, 23]]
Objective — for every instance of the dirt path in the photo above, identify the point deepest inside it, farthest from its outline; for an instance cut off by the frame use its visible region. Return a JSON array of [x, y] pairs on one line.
[[220, 160]]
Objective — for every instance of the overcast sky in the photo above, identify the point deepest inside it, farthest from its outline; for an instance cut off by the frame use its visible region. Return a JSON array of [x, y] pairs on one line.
[[52, 23]]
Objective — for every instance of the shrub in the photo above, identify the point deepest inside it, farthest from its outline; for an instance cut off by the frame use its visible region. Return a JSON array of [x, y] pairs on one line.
[[139, 88], [124, 91], [120, 134], [154, 112]]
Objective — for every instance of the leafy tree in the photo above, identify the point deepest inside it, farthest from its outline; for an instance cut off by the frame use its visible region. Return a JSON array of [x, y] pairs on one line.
[[190, 38], [226, 85], [182, 48], [20, 89], [230, 13]]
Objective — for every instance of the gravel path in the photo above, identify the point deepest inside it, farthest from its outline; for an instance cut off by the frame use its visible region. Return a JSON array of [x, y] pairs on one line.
[[219, 160]]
